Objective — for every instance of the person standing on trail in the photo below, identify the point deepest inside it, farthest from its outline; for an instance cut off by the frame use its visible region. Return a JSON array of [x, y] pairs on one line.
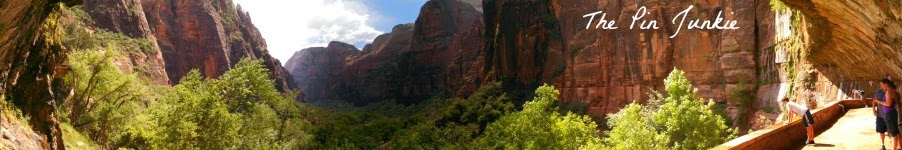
[[801, 111], [880, 111], [891, 115]]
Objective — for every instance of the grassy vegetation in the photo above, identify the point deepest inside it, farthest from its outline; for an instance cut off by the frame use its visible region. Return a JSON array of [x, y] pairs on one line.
[[778, 5], [76, 35], [73, 139], [12, 113], [78, 13]]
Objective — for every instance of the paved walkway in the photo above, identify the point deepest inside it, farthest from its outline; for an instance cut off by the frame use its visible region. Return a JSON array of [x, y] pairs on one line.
[[855, 130]]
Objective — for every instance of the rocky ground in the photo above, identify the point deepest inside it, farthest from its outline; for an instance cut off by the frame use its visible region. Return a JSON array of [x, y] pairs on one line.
[[17, 135]]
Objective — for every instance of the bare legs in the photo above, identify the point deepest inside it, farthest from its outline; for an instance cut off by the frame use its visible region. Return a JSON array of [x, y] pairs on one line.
[[810, 130], [896, 140]]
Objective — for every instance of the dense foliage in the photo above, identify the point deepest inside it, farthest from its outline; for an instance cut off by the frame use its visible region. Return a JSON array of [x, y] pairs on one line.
[[681, 120], [540, 126], [242, 109], [102, 97], [439, 123]]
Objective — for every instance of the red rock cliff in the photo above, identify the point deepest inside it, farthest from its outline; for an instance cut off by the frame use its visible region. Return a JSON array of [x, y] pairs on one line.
[[210, 36], [124, 16], [546, 41], [439, 54], [319, 70]]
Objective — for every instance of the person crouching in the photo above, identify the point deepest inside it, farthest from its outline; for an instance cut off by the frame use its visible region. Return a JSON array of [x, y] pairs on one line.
[[802, 111]]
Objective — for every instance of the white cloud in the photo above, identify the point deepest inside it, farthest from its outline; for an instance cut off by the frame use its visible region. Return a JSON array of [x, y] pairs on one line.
[[291, 25]]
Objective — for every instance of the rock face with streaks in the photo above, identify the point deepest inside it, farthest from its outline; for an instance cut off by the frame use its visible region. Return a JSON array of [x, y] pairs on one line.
[[443, 50], [860, 39], [320, 69], [31, 55], [546, 41], [210, 36], [126, 17], [816, 56]]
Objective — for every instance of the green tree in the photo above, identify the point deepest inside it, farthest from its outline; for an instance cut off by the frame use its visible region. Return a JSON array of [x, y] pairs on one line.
[[684, 119], [453, 123], [540, 126], [194, 117], [485, 105], [242, 109], [246, 84], [101, 97], [631, 129]]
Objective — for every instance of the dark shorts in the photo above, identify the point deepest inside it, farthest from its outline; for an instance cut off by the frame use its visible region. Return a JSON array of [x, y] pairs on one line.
[[881, 125], [808, 119], [891, 120]]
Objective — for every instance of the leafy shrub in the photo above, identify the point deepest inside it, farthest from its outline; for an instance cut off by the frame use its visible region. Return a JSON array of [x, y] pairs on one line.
[[121, 42], [241, 110], [683, 121], [686, 119], [76, 36], [632, 128], [102, 97], [540, 126], [195, 117], [483, 106], [439, 123]]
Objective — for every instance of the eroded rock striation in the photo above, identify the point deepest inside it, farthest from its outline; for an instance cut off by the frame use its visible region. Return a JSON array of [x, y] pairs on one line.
[[547, 42], [210, 36], [31, 54], [126, 17]]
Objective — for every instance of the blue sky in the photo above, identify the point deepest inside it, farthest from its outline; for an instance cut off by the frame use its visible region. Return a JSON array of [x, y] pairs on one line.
[[395, 12], [292, 25]]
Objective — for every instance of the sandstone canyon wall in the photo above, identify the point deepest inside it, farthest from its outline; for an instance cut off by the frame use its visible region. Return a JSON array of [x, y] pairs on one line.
[[527, 43], [439, 54], [122, 16], [535, 42], [812, 51], [784, 53], [210, 36]]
